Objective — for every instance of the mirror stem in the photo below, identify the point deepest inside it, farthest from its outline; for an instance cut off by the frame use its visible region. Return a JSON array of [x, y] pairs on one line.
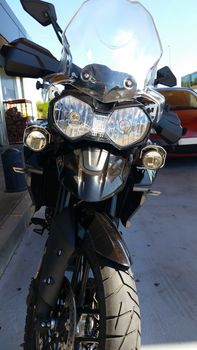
[[56, 27]]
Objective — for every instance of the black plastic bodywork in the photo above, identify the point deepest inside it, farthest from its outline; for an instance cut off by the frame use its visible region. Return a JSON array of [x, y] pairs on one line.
[[165, 77], [42, 177], [106, 239], [94, 174], [134, 193], [169, 127], [44, 187], [40, 10], [24, 58]]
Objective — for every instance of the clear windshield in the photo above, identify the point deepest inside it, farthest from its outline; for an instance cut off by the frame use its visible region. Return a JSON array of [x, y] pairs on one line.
[[115, 46]]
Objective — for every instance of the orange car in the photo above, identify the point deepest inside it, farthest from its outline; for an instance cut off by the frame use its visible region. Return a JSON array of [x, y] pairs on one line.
[[183, 101]]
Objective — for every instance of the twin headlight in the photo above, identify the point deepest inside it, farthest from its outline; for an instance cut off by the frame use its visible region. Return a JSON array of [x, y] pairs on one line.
[[123, 127]]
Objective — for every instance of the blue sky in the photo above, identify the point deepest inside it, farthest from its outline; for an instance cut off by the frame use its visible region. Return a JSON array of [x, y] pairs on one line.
[[175, 21]]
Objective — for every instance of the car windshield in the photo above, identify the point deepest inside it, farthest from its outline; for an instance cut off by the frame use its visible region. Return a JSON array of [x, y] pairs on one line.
[[182, 99], [115, 46]]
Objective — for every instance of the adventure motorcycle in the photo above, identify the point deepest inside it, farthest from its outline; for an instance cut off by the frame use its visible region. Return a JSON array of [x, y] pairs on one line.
[[92, 164]]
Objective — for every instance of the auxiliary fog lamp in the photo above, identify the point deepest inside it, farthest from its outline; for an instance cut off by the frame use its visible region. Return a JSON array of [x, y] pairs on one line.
[[153, 157], [36, 138]]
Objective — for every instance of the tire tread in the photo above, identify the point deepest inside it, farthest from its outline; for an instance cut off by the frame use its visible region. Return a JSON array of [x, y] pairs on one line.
[[123, 321]]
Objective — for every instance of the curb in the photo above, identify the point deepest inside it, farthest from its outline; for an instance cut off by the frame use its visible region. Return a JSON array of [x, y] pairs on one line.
[[13, 229]]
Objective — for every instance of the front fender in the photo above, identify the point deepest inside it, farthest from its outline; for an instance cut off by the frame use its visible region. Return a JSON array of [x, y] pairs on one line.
[[107, 240]]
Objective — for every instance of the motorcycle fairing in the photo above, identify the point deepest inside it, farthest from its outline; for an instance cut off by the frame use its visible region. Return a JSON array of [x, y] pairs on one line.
[[94, 174], [133, 195]]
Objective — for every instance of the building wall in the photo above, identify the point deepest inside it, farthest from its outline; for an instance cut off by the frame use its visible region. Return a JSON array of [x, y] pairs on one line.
[[10, 87], [190, 81], [10, 27]]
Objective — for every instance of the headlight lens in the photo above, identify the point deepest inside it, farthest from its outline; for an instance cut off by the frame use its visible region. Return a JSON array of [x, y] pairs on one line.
[[73, 117], [127, 126], [123, 127]]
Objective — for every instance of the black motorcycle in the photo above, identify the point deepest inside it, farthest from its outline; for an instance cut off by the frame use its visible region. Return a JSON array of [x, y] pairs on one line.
[[91, 165]]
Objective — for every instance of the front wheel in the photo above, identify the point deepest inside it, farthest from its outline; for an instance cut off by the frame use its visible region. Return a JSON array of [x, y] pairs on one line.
[[97, 308]]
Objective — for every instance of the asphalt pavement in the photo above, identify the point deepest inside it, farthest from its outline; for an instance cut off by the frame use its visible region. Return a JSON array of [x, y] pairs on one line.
[[163, 243]]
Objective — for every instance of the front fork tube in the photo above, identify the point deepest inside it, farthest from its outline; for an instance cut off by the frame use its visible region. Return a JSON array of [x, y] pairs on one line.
[[59, 248]]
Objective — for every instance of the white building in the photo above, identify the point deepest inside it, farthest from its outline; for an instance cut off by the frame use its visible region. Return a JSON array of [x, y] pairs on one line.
[[10, 87]]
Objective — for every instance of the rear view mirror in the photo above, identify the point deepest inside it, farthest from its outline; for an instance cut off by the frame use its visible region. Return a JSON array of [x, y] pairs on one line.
[[42, 11], [165, 77]]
